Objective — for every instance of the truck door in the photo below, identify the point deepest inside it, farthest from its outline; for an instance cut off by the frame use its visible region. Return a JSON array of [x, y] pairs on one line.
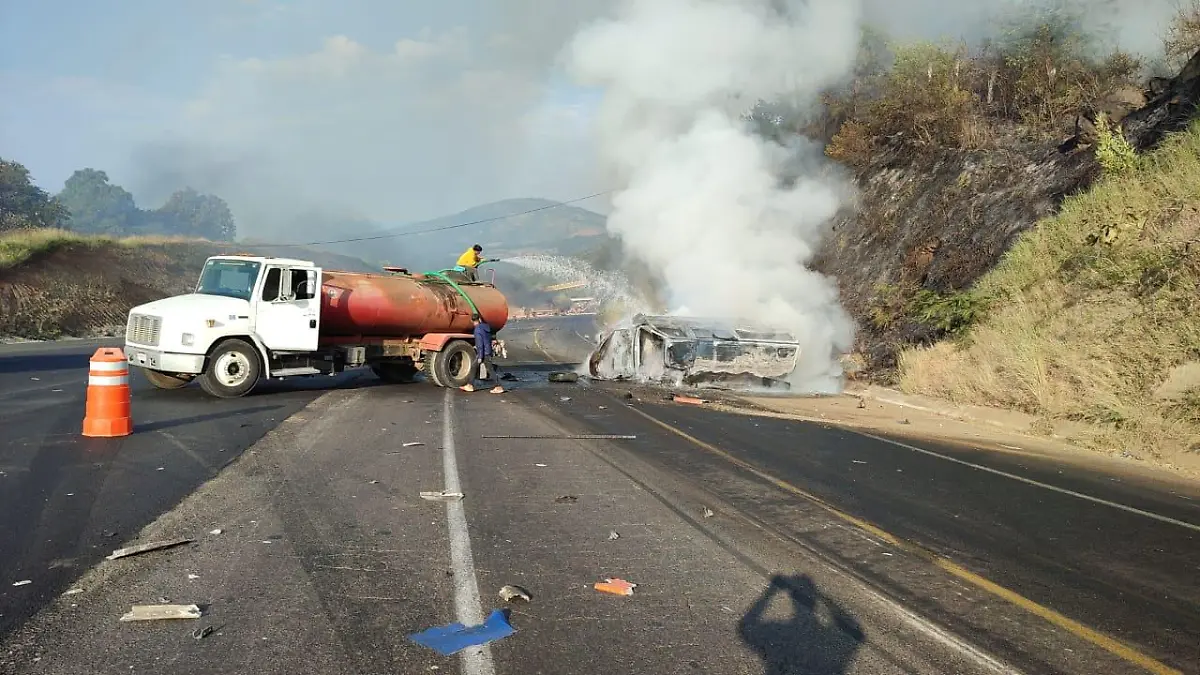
[[289, 307]]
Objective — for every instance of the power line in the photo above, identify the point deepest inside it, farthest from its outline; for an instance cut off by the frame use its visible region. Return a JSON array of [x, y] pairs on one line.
[[437, 229]]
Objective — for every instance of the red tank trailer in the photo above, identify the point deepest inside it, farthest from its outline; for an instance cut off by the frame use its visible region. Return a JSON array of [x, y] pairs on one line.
[[392, 306]]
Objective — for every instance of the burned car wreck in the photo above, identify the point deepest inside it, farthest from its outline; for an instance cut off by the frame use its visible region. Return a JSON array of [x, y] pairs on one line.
[[698, 352]]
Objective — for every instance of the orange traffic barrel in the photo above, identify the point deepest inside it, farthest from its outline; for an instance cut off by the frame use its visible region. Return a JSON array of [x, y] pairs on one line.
[[108, 397]]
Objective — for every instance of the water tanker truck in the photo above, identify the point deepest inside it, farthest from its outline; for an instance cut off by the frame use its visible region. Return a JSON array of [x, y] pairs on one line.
[[252, 318]]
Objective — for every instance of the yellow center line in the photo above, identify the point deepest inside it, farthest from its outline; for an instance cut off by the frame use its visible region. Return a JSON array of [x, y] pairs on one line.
[[538, 343], [1105, 642]]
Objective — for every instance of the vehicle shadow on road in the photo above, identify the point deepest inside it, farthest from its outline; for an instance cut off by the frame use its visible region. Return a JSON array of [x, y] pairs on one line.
[[819, 638]]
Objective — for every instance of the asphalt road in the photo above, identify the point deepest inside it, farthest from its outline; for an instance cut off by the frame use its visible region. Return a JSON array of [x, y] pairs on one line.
[[759, 545], [68, 501]]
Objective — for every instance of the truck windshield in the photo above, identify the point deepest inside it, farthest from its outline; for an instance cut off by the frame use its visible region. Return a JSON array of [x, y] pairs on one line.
[[230, 278]]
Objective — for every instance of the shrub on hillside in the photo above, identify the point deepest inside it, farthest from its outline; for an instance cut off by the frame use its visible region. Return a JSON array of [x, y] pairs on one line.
[[1039, 73]]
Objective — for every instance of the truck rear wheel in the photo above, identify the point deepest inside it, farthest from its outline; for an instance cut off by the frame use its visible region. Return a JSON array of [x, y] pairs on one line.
[[162, 380], [233, 369], [455, 365], [395, 373], [430, 370]]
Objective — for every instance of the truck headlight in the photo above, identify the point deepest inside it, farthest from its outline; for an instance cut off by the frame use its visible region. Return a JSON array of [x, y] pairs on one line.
[[187, 339]]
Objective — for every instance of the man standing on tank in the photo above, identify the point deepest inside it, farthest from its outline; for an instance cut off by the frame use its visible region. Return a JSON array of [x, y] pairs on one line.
[[468, 263], [483, 352]]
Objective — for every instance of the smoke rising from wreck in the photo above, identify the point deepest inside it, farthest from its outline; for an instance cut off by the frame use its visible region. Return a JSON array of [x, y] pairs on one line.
[[704, 200]]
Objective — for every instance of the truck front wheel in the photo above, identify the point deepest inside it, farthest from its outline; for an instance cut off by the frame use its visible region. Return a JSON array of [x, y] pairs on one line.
[[232, 371], [162, 380], [455, 365]]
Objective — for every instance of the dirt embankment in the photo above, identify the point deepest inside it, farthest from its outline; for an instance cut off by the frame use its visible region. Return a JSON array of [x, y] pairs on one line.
[[55, 284]]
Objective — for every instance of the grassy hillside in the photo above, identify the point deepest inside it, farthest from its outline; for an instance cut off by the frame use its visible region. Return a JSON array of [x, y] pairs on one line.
[[55, 283], [1093, 315], [556, 229]]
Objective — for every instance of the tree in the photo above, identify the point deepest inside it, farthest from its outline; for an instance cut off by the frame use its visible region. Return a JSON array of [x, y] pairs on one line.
[[191, 214], [24, 205], [99, 207]]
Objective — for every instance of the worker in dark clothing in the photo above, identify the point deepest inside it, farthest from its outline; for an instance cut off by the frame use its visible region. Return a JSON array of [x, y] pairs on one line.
[[483, 352]]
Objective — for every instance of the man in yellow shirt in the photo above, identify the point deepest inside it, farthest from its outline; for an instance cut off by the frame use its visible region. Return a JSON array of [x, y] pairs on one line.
[[468, 263]]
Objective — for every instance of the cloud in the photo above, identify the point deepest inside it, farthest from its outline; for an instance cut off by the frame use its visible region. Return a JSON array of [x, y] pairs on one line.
[[428, 124]]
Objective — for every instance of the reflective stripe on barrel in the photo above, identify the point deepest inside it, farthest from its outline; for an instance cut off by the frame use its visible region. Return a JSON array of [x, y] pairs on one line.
[[107, 380], [108, 366]]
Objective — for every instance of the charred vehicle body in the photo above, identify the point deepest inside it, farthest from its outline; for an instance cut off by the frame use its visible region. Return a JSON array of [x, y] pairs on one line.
[[694, 352]]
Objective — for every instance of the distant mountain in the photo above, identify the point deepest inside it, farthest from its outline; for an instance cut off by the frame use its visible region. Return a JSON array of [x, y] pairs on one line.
[[555, 229]]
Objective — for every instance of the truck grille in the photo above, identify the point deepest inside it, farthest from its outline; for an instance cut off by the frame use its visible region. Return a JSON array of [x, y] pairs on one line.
[[143, 330]]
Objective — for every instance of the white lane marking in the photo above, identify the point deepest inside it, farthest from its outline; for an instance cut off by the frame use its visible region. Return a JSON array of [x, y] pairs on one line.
[[1030, 481], [475, 660]]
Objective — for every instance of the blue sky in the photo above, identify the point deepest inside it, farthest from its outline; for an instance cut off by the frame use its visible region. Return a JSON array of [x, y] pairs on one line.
[[394, 110]]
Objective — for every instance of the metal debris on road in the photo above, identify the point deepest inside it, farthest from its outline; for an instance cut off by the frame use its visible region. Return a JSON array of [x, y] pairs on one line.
[[74, 591], [563, 376], [216, 531], [201, 633], [540, 465], [564, 399], [161, 612], [412, 444], [570, 437], [566, 499], [455, 637], [26, 582], [442, 496], [512, 592], [146, 548], [613, 536], [862, 402], [615, 586]]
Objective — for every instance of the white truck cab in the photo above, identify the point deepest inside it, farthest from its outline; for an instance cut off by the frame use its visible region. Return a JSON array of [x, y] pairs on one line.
[[244, 312]]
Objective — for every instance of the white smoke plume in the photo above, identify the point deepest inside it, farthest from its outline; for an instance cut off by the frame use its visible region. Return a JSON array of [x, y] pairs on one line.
[[704, 200]]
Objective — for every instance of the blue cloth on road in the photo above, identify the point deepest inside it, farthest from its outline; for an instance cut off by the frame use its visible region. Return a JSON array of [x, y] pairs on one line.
[[455, 637], [483, 340]]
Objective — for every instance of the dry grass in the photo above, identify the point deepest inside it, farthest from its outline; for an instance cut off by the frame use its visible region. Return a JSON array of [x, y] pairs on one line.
[[19, 246], [1090, 312]]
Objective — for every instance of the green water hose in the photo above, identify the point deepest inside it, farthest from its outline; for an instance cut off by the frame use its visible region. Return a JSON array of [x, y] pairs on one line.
[[442, 275]]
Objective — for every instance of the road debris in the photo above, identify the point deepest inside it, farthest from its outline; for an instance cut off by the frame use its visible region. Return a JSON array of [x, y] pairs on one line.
[[565, 399], [512, 592], [570, 437], [690, 400], [563, 376], [193, 577], [862, 402], [566, 499], [146, 548], [905, 421], [455, 637], [442, 496], [540, 465], [708, 513], [74, 591], [857, 461], [613, 536], [201, 633], [412, 444], [24, 582], [216, 531], [161, 612], [615, 586]]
